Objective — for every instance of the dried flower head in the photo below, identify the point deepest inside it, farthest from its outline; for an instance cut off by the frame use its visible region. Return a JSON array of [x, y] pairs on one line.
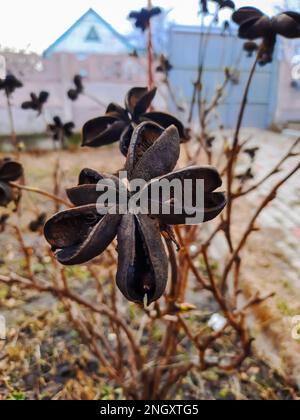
[[10, 171], [74, 93], [36, 102], [10, 84], [250, 47], [38, 224], [59, 130], [223, 4], [226, 27], [164, 65], [142, 18], [118, 123], [81, 234], [203, 7], [210, 141], [254, 24], [246, 176], [252, 152]]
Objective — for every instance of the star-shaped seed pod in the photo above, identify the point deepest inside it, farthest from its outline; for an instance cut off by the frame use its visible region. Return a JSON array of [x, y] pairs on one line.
[[73, 94], [250, 47], [118, 123], [226, 27], [223, 4], [252, 152], [36, 102], [203, 7], [254, 24], [246, 176], [10, 84], [61, 131], [10, 171], [82, 233], [164, 65], [38, 223], [142, 18]]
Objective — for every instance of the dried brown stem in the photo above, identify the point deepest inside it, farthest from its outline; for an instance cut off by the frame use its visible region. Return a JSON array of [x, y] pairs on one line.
[[274, 171], [26, 251], [96, 308], [94, 99], [250, 227], [234, 149], [189, 260], [12, 127], [41, 192], [172, 296]]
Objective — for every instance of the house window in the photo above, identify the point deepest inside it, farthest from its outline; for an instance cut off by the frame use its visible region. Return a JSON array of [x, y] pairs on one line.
[[93, 35]]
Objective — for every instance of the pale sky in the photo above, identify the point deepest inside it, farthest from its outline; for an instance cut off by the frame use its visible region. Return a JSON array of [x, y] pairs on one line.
[[34, 24]]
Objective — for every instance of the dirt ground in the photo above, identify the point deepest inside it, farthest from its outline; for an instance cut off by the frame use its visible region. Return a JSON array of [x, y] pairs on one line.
[[271, 265], [272, 262]]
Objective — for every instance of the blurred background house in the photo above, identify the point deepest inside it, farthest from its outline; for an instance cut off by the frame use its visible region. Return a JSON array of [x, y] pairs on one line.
[[91, 48], [112, 63]]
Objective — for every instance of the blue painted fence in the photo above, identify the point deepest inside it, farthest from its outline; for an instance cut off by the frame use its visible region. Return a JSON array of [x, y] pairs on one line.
[[222, 51]]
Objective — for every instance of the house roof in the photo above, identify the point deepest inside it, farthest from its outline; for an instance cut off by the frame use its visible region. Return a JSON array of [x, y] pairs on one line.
[[90, 13]]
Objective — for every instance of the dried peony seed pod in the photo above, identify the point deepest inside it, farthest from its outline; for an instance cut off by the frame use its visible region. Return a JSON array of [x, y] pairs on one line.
[[10, 171], [82, 233], [73, 94], [250, 47], [10, 84], [254, 24], [142, 18], [223, 4], [59, 130], [36, 102], [118, 123]]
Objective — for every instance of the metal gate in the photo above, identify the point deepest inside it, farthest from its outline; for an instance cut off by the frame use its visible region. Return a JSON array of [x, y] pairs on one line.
[[222, 51]]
